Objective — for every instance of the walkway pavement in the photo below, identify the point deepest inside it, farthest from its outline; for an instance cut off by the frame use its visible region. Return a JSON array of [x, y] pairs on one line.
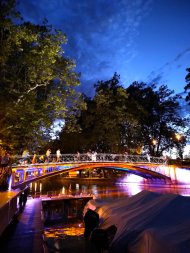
[[24, 235]]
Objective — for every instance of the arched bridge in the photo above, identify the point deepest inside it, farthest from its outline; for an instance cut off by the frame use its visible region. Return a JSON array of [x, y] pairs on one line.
[[28, 169]]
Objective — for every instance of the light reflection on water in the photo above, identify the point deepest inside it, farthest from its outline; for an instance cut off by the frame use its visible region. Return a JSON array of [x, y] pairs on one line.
[[64, 230], [133, 184], [126, 186]]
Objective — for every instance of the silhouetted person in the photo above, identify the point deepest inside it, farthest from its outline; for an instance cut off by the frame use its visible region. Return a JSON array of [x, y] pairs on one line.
[[5, 160], [91, 221], [101, 238], [41, 159], [25, 196], [21, 202]]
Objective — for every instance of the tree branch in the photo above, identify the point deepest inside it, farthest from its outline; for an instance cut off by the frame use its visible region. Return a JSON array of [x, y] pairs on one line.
[[29, 90]]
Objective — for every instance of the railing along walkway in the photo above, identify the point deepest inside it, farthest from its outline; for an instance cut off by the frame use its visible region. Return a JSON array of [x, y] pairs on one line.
[[92, 157]]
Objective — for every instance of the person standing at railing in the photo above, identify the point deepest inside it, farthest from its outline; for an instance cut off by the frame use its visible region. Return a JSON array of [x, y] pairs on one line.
[[148, 157], [41, 159], [34, 159], [25, 156], [126, 156], [48, 153], [93, 156], [78, 156], [89, 155], [166, 159], [58, 155]]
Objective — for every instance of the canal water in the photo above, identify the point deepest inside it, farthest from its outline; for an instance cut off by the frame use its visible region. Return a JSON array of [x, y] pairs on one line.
[[107, 188], [67, 234]]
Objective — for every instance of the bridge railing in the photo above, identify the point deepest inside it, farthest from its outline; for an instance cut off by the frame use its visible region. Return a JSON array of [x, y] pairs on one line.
[[91, 157]]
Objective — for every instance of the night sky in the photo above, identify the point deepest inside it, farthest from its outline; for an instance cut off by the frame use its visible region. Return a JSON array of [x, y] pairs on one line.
[[142, 40]]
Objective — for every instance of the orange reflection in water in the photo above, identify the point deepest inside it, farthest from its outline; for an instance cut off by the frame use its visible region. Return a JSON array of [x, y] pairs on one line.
[[76, 229]]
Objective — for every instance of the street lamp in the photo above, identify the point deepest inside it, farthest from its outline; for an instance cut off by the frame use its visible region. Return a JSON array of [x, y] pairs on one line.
[[180, 141], [178, 136], [154, 142]]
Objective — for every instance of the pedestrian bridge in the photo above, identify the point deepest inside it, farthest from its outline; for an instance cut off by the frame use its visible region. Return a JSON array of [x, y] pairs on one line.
[[29, 169]]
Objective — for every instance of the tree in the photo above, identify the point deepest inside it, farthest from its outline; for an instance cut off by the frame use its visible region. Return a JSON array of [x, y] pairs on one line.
[[37, 83], [105, 115], [99, 124], [187, 87], [140, 117], [158, 119]]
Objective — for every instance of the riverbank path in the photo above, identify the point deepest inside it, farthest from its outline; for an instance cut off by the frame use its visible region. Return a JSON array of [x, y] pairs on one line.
[[24, 234]]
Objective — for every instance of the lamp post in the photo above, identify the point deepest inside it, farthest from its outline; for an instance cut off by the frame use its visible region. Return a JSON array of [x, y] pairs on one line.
[[178, 144]]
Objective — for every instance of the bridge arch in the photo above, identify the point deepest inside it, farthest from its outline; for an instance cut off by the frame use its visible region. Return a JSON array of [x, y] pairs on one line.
[[134, 169]]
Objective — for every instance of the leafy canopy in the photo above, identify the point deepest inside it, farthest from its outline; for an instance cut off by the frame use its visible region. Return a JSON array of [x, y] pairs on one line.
[[119, 119], [38, 81]]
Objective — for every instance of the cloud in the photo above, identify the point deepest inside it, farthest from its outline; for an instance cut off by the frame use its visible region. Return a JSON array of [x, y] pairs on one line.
[[176, 58], [155, 78], [101, 34], [181, 54], [159, 75]]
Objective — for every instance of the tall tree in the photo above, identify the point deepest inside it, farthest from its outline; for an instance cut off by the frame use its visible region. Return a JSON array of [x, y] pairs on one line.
[[37, 83], [98, 126], [158, 119]]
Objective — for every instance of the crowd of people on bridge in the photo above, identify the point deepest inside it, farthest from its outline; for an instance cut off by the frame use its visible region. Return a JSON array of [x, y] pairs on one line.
[[26, 158], [48, 157], [92, 156]]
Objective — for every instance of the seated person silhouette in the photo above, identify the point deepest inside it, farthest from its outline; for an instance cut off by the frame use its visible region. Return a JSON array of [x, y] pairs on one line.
[[101, 238], [91, 221]]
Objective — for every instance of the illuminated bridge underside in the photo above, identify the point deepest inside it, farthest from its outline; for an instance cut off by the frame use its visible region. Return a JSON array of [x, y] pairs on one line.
[[148, 171], [135, 169]]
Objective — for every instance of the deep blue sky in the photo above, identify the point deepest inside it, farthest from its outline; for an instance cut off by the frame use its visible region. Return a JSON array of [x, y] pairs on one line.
[[142, 40]]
